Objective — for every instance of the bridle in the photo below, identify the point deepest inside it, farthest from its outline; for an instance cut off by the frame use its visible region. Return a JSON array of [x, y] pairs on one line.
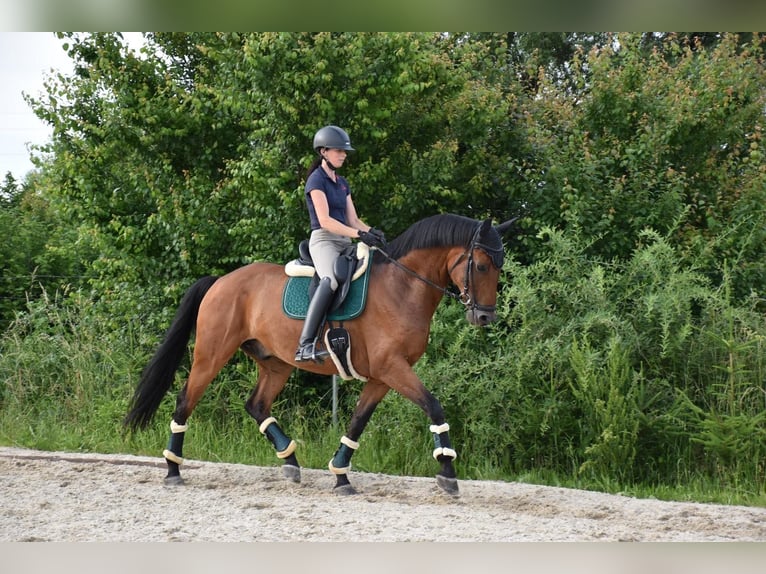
[[465, 297]]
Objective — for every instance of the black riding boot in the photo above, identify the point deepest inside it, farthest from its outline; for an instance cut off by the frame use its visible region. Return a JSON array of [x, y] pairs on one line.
[[314, 318]]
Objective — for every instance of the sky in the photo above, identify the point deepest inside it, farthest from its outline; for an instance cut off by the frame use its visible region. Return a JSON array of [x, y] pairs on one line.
[[25, 60]]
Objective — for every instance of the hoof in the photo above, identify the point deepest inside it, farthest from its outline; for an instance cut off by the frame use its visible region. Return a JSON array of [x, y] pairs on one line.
[[174, 481], [344, 490], [292, 472], [448, 485]]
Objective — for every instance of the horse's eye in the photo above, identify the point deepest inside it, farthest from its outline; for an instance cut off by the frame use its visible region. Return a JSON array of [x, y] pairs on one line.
[[481, 267]]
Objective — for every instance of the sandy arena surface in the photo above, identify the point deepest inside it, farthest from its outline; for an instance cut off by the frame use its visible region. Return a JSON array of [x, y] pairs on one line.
[[73, 497]]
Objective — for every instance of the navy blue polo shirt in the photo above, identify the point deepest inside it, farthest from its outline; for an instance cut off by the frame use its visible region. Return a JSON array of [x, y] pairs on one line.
[[336, 192]]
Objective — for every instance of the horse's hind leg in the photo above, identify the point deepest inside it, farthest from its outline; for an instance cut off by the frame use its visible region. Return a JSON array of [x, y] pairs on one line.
[[174, 452], [204, 369], [340, 464], [272, 376]]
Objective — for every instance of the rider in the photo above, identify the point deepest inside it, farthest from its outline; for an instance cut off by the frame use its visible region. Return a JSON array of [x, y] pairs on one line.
[[334, 222]]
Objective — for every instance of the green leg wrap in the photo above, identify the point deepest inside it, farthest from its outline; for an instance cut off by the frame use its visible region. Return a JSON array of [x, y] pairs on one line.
[[174, 452], [282, 443], [341, 462], [442, 445]]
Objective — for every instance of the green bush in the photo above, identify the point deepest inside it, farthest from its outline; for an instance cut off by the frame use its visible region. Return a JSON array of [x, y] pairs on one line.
[[634, 372], [599, 375]]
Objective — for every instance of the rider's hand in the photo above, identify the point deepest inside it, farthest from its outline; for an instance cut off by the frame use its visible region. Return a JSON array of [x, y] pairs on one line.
[[373, 237]]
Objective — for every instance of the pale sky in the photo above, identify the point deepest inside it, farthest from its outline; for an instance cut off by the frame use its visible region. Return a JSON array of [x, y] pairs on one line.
[[26, 59]]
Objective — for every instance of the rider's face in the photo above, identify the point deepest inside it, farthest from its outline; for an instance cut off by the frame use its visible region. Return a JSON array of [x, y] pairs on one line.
[[335, 156]]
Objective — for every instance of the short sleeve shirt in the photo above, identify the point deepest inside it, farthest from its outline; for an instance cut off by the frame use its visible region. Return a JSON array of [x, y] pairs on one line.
[[336, 192]]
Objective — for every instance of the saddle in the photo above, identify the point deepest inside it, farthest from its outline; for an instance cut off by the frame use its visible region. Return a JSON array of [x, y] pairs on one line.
[[350, 265], [351, 270]]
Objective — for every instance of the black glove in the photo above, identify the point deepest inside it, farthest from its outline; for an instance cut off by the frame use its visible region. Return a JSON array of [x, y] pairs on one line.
[[373, 238], [379, 234]]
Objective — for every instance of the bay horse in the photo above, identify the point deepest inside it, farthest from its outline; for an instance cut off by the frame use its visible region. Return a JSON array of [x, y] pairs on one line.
[[242, 310]]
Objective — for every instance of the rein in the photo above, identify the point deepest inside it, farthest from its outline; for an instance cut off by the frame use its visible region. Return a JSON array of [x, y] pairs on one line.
[[444, 290], [464, 297]]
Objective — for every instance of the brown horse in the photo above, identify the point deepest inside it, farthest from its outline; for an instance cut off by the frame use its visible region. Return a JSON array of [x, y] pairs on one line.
[[242, 310]]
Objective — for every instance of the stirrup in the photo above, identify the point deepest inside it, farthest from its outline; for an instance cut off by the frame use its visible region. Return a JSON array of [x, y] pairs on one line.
[[308, 352]]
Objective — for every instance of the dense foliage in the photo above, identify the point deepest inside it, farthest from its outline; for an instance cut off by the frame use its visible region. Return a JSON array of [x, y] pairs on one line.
[[631, 340]]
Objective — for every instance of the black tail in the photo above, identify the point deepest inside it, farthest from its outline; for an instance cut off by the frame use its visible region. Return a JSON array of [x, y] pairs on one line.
[[158, 376]]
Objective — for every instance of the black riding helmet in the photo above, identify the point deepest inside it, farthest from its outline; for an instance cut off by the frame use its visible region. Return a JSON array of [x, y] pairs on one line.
[[332, 137]]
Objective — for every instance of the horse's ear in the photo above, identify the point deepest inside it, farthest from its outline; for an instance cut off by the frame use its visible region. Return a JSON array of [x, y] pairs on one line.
[[485, 226], [503, 228]]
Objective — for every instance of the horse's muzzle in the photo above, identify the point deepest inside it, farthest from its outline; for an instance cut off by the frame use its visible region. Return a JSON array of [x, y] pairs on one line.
[[481, 317]]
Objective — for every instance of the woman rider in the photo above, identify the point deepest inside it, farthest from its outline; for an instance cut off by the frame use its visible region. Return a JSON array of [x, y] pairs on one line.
[[334, 222]]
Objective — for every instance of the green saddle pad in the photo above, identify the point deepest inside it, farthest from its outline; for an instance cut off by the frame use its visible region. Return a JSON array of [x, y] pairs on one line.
[[295, 298]]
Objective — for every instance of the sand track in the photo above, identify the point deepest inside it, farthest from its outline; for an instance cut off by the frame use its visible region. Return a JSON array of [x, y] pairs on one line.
[[73, 497]]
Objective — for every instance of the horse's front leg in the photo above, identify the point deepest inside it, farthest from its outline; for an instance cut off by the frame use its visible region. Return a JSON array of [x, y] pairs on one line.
[[409, 385], [446, 478], [340, 464]]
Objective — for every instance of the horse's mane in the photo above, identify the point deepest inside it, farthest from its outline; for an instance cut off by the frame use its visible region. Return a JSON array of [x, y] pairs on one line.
[[444, 230]]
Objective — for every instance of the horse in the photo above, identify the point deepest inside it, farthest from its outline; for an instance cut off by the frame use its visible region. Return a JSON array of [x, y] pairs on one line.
[[241, 310]]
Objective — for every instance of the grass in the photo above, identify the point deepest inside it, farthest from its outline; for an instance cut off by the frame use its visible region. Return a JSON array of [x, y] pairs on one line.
[[67, 383], [238, 441]]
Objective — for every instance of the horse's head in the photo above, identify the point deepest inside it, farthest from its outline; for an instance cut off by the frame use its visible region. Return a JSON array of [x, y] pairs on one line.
[[477, 271]]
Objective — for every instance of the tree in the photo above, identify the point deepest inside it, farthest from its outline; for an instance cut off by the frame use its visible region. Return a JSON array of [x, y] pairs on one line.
[[189, 158], [36, 254], [670, 140]]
